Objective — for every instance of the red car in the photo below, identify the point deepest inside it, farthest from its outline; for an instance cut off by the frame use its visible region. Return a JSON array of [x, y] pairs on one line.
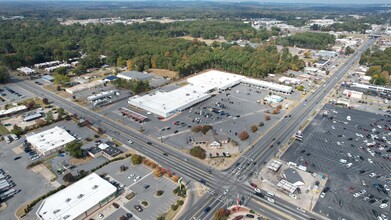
[[253, 185], [238, 217]]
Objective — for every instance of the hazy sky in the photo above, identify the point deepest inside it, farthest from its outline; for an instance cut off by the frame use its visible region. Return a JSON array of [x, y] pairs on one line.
[[274, 1], [334, 1]]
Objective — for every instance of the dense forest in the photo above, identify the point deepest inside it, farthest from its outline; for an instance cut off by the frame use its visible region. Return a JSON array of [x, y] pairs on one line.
[[308, 40], [146, 45], [379, 63]]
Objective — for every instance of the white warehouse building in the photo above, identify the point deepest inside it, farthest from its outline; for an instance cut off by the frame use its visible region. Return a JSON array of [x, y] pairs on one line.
[[78, 200], [50, 141], [199, 89]]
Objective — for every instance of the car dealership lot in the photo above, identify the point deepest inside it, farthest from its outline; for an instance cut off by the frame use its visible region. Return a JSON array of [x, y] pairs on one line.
[[343, 137]]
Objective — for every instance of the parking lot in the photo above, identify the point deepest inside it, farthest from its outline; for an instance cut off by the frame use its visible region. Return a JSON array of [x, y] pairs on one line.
[[352, 148], [10, 93], [140, 180], [229, 112]]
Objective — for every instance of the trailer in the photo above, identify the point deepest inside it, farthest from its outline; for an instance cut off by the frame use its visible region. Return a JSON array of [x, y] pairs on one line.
[[8, 194]]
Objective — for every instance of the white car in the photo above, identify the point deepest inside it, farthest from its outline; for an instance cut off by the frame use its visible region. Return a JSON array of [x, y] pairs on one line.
[[348, 118], [370, 160], [137, 179], [372, 174], [270, 200], [384, 217], [257, 190], [130, 141], [383, 205], [130, 176], [363, 191], [100, 215], [322, 195], [356, 195], [225, 192], [386, 187]]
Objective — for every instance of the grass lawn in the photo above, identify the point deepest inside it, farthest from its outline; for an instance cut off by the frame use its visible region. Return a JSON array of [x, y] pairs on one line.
[[3, 130]]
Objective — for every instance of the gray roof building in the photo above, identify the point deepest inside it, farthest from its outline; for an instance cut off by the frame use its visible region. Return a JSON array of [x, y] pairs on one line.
[[292, 176], [211, 138], [134, 75]]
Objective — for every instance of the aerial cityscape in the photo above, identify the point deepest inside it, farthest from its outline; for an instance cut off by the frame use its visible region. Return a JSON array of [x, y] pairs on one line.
[[195, 110]]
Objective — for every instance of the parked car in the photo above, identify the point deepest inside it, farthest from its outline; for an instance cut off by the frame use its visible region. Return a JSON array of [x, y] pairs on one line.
[[138, 208]]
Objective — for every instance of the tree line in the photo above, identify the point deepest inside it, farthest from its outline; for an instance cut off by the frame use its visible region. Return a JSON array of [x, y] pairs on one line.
[[311, 40], [379, 63], [146, 45]]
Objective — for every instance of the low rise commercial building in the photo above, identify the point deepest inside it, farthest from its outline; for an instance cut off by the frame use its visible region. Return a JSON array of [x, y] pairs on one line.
[[85, 86], [10, 111], [78, 200], [327, 54], [26, 71], [353, 94], [50, 141], [273, 99], [289, 80], [200, 88], [134, 75]]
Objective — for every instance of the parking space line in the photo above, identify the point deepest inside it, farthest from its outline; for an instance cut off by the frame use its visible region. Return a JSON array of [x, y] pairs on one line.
[[135, 216]]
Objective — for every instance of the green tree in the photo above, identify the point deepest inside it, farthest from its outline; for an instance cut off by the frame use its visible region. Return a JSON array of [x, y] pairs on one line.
[[300, 88], [17, 130], [60, 79], [349, 50], [4, 74], [60, 112], [197, 151], [69, 178], [61, 70], [136, 159], [74, 149], [49, 117]]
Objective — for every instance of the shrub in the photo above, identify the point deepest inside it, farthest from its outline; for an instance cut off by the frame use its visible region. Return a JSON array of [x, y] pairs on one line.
[[267, 118], [174, 207], [179, 202], [243, 135], [136, 159], [196, 129], [254, 128], [300, 88], [175, 178], [130, 196], [144, 203], [159, 192], [197, 151], [276, 111]]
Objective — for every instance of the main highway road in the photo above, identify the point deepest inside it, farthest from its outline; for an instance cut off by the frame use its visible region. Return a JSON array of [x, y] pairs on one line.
[[193, 169]]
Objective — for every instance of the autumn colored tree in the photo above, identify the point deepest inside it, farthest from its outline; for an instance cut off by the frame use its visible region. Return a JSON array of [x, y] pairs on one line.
[[267, 118], [243, 135]]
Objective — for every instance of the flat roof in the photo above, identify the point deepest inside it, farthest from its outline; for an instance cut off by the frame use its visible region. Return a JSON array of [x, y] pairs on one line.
[[216, 79], [135, 75], [50, 139], [12, 110], [76, 199], [167, 103], [275, 165]]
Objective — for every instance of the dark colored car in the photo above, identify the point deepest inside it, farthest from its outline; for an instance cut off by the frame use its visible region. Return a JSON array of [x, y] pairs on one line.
[[165, 154], [253, 185], [129, 215], [326, 189], [250, 216], [17, 158], [149, 143], [207, 209], [116, 205]]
